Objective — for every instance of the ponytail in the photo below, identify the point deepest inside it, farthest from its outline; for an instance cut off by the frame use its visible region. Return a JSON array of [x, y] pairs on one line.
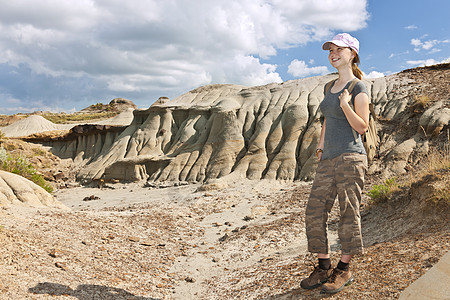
[[355, 69]]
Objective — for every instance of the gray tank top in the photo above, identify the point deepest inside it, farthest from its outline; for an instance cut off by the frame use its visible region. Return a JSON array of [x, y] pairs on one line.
[[339, 137]]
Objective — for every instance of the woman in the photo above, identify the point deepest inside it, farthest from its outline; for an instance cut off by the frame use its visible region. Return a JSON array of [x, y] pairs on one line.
[[342, 164]]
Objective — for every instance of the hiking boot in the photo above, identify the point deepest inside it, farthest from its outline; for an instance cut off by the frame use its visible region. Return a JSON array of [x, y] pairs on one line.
[[316, 279], [337, 281]]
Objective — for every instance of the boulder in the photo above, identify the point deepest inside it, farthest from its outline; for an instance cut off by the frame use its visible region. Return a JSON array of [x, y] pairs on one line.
[[122, 104], [17, 190]]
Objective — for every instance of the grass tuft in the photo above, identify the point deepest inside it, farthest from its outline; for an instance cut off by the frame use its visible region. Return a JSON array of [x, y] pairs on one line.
[[421, 101], [382, 192]]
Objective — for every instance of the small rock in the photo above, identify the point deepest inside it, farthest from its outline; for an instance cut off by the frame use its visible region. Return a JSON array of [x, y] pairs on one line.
[[55, 253], [223, 238], [190, 279], [258, 210], [61, 265], [91, 197], [146, 243], [133, 239], [59, 175], [72, 184], [108, 237]]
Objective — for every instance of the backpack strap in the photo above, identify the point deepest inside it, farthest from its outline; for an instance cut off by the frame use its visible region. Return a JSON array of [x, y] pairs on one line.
[[350, 89], [329, 84], [352, 85]]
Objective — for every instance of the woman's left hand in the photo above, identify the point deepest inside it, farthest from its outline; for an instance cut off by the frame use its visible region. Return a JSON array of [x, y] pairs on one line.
[[344, 98]]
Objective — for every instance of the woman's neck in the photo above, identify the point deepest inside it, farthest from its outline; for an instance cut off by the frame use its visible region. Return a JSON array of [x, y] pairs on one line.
[[345, 75]]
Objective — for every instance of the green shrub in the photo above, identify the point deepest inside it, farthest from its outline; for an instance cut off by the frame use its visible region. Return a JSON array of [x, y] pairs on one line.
[[381, 192], [21, 166]]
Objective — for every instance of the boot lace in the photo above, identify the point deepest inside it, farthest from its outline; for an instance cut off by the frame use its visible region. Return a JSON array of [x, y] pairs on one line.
[[334, 275]]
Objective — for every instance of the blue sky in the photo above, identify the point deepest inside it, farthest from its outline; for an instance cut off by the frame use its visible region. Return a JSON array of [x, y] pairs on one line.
[[64, 55]]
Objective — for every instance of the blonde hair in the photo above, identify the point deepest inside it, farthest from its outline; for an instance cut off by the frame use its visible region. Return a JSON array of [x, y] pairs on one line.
[[355, 69]]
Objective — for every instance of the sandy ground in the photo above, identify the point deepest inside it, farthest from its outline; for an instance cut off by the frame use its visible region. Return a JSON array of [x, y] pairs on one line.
[[245, 240]]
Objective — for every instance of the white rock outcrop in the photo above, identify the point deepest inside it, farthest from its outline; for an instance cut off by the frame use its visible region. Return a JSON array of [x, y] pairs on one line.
[[259, 132], [17, 190]]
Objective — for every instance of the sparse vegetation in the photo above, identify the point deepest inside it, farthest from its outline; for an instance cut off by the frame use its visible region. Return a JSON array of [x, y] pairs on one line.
[[437, 166], [381, 192], [74, 118], [433, 169], [420, 102], [20, 165]]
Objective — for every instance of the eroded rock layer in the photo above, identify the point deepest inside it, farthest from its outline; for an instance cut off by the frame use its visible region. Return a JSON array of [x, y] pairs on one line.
[[214, 131]]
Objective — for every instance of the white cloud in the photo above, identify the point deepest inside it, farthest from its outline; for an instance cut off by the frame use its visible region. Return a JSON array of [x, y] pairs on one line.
[[150, 47], [375, 74], [426, 62], [416, 42], [398, 54], [411, 27], [427, 45], [299, 68]]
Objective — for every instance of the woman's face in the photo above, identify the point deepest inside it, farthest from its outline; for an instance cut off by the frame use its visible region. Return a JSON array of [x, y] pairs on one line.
[[340, 56]]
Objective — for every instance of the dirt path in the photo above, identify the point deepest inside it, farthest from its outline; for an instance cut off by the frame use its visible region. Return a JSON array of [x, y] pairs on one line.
[[244, 241]]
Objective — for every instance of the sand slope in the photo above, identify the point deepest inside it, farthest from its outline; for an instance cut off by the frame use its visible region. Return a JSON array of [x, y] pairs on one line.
[[31, 125]]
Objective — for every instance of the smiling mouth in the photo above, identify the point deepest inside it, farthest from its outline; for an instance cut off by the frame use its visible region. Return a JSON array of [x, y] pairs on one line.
[[335, 59]]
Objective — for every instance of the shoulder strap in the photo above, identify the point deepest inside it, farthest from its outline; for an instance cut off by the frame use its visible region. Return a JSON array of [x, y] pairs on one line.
[[350, 89], [352, 85], [329, 84]]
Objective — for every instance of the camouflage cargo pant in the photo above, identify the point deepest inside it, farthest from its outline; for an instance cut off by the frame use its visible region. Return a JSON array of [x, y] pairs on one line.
[[342, 176]]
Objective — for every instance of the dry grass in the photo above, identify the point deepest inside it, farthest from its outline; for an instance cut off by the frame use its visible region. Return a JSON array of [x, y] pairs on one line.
[[81, 117], [420, 102], [434, 168]]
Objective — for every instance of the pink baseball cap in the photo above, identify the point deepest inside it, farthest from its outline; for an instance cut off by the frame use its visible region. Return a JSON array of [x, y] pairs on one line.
[[343, 40]]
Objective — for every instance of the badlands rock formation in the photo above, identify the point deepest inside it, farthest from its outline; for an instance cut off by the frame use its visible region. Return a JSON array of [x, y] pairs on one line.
[[231, 131], [17, 190], [31, 125], [36, 124]]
